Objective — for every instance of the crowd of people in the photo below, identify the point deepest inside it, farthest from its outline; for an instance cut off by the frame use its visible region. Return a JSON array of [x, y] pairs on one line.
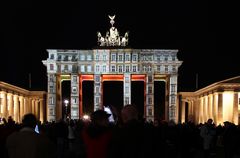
[[129, 136]]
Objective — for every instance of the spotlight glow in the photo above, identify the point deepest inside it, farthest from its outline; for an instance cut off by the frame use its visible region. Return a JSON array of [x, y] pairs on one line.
[[86, 117]]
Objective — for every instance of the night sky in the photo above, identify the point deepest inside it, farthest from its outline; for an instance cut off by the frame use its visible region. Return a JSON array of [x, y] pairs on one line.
[[194, 28]]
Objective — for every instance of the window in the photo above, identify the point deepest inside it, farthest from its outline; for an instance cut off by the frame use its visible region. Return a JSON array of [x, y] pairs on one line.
[[97, 68], [51, 100], [134, 68], [166, 68], [74, 58], [89, 57], [59, 57], [51, 67], [134, 57], [104, 57], [149, 100], [172, 99], [97, 99], [82, 68], [150, 90], [104, 68], [82, 57], [166, 58], [113, 57], [97, 57], [127, 57], [127, 90], [158, 57], [89, 68], [120, 68], [74, 79], [158, 68], [144, 68], [65, 67], [113, 68], [120, 57], [51, 90], [51, 78], [74, 68], [66, 58], [97, 89], [149, 68], [127, 68], [149, 112], [52, 56], [174, 68], [149, 78], [173, 87], [51, 111], [126, 100]]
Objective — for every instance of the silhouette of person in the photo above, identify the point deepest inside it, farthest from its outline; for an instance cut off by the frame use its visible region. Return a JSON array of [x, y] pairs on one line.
[[29, 144]]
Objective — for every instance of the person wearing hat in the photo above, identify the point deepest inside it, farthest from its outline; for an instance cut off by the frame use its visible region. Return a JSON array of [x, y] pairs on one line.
[[97, 135]]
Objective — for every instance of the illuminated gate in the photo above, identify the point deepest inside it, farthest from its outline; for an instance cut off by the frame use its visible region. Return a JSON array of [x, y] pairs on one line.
[[112, 61]]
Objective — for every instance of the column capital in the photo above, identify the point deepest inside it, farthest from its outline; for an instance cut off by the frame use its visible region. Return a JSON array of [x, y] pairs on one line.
[[9, 93], [3, 91]]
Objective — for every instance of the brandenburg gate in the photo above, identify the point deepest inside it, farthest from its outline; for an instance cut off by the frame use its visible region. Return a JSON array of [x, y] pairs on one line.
[[111, 61]]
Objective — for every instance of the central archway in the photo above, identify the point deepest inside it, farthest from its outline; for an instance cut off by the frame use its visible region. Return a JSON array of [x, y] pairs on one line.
[[113, 94]]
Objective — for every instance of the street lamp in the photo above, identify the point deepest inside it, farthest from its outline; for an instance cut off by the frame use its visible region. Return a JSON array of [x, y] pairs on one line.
[[66, 104]]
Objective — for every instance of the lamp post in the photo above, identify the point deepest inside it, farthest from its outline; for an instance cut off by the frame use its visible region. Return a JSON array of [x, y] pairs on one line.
[[66, 105]]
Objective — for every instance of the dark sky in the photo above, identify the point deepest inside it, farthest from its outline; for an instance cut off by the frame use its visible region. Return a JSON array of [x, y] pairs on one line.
[[194, 27]]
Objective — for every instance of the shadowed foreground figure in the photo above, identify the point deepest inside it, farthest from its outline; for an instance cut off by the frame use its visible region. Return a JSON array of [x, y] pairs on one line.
[[26, 143], [97, 135], [133, 139]]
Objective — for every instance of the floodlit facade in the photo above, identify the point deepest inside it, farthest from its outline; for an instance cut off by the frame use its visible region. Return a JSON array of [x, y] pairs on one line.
[[111, 61], [16, 102], [219, 101]]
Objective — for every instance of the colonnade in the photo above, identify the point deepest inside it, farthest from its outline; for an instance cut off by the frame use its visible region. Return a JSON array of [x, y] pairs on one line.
[[16, 105], [220, 106]]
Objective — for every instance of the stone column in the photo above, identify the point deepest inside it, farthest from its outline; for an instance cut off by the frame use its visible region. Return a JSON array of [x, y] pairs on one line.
[[74, 102], [172, 97], [183, 112], [4, 104], [205, 108], [127, 89], [215, 108], [21, 108], [10, 105], [26, 104], [30, 105], [42, 114], [53, 90], [33, 106], [98, 92], [196, 111], [235, 108], [220, 108], [37, 109], [210, 106], [16, 108], [201, 118], [149, 100]]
